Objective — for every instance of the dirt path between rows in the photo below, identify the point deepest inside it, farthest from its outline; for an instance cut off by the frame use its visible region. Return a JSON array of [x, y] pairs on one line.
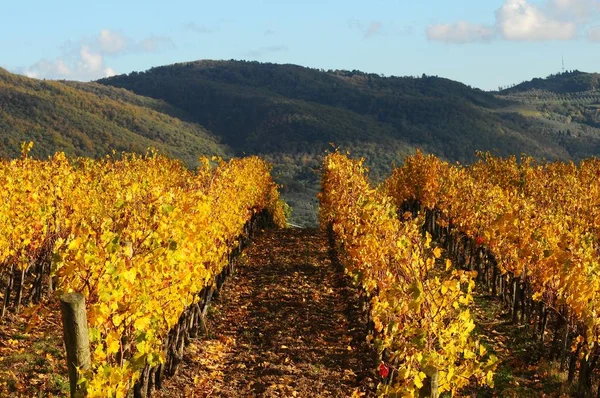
[[286, 324]]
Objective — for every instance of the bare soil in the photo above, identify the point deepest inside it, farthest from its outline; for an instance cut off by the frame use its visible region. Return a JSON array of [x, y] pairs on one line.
[[286, 324]]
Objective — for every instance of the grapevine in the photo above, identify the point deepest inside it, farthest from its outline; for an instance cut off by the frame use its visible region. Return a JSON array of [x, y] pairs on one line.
[[139, 236], [419, 304]]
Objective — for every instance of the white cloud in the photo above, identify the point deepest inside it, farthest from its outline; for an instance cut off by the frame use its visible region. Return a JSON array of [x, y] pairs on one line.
[[521, 21], [575, 10], [459, 32], [111, 42], [593, 34], [88, 65], [108, 72], [62, 69], [87, 59], [46, 68]]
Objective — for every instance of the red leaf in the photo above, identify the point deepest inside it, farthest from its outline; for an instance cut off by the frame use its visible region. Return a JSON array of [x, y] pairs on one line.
[[479, 240], [384, 371]]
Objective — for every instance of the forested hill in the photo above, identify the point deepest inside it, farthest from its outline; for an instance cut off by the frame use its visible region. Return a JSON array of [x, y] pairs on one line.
[[89, 119], [275, 109], [290, 114], [569, 103], [560, 83]]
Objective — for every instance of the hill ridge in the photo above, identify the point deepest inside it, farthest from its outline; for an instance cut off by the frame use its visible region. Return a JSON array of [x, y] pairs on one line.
[[574, 81], [88, 119]]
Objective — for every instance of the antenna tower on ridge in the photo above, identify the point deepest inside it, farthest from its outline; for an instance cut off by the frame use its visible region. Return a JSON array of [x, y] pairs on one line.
[[563, 64]]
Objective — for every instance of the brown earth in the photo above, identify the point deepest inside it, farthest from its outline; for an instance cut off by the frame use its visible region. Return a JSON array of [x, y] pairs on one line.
[[286, 324]]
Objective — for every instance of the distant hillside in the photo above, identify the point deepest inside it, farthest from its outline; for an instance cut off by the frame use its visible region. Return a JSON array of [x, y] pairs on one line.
[[88, 119], [271, 108], [569, 103], [561, 83], [290, 114]]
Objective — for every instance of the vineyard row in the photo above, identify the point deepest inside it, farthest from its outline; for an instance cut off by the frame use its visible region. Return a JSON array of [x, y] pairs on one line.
[[141, 237]]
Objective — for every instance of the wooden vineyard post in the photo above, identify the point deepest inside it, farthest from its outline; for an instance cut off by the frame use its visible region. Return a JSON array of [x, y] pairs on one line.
[[432, 382], [435, 380], [9, 286], [75, 331]]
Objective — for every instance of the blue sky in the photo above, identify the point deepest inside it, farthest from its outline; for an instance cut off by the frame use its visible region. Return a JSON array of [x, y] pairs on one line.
[[481, 43]]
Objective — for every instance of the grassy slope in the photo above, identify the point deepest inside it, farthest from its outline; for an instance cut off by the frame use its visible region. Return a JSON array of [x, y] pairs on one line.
[[92, 120]]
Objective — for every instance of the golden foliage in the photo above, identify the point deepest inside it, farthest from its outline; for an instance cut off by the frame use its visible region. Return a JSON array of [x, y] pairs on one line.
[[541, 221], [420, 307], [139, 236]]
